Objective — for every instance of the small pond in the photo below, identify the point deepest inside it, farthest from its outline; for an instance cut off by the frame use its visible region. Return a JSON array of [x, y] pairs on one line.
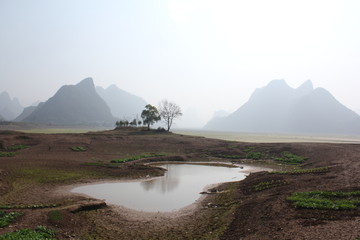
[[179, 187]]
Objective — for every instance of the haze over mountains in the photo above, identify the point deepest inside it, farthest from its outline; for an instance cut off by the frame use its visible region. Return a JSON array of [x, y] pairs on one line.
[[123, 105], [278, 108], [275, 108], [9, 108]]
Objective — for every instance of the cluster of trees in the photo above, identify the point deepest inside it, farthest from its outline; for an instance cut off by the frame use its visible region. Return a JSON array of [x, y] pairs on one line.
[[168, 112], [126, 123]]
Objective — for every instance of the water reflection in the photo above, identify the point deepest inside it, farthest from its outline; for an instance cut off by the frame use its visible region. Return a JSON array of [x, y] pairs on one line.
[[164, 184], [179, 187]]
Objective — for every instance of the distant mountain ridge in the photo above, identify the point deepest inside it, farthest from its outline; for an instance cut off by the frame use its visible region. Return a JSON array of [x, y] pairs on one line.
[[9, 108], [123, 105], [72, 105], [278, 108]]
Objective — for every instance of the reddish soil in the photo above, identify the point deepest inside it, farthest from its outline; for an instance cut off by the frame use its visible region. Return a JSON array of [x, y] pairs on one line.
[[38, 175]]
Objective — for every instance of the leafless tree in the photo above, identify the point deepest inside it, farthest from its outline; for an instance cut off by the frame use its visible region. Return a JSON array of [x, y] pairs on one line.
[[169, 111]]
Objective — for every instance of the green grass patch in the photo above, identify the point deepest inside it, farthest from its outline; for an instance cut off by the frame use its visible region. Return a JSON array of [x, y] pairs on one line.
[[220, 155], [269, 184], [99, 164], [264, 154], [39, 233], [7, 154], [31, 206], [8, 217], [248, 155], [137, 157], [78, 149], [49, 175], [232, 146], [10, 150], [57, 130], [326, 200], [290, 158], [248, 149], [303, 171], [17, 147], [254, 155]]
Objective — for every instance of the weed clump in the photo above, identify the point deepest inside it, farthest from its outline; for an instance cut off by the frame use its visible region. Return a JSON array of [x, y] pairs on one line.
[[78, 149], [8, 217]]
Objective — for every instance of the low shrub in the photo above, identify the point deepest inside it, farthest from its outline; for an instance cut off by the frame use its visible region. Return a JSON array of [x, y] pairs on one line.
[[55, 216]]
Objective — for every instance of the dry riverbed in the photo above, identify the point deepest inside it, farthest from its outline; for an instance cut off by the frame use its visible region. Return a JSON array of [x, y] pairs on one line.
[[255, 208]]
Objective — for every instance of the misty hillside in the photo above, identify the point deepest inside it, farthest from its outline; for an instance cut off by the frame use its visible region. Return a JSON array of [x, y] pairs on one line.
[[9, 108], [25, 113], [278, 108], [122, 104], [72, 105]]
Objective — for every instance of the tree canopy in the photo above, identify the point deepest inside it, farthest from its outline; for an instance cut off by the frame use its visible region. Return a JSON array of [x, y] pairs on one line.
[[150, 115]]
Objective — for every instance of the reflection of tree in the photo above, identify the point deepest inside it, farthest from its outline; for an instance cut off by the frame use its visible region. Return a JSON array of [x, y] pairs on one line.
[[164, 184], [148, 185]]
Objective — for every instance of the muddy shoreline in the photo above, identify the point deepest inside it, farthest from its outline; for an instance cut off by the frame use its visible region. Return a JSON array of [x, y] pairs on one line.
[[245, 168]]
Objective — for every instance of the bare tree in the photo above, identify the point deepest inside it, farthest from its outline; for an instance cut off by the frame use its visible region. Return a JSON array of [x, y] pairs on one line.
[[169, 111]]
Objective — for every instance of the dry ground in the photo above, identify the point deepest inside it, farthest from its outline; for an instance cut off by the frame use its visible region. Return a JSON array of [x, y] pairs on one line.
[[36, 176]]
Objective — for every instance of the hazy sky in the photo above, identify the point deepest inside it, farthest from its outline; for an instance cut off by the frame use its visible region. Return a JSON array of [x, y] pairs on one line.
[[205, 55]]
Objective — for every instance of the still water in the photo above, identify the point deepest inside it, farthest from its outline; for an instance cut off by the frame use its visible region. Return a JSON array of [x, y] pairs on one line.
[[179, 187]]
